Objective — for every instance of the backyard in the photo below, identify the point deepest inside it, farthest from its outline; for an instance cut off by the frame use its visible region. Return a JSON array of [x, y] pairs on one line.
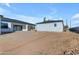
[[39, 43]]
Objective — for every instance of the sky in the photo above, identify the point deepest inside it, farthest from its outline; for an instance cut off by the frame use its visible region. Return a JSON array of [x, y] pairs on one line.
[[35, 12]]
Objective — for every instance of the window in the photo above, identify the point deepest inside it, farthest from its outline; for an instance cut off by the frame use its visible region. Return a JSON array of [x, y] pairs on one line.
[[55, 25], [4, 25]]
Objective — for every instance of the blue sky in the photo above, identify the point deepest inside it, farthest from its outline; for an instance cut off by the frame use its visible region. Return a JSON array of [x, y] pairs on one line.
[[34, 13]]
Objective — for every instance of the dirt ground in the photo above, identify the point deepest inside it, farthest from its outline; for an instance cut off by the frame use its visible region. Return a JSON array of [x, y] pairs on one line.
[[38, 43]]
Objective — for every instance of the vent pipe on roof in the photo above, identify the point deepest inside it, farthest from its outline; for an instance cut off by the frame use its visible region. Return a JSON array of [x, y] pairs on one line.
[[44, 19]]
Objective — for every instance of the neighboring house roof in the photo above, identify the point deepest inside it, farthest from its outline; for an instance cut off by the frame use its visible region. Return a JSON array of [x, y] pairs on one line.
[[50, 21], [74, 29], [14, 20]]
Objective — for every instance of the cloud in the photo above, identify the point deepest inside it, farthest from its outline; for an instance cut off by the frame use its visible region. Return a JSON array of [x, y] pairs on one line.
[[52, 15], [75, 20], [29, 19], [75, 23], [7, 4], [2, 10], [75, 17], [10, 14]]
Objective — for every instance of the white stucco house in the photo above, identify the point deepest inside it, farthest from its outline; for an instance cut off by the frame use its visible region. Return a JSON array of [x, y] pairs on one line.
[[50, 26], [11, 25]]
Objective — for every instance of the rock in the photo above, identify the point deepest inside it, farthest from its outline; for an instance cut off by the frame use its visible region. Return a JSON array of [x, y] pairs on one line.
[[72, 51]]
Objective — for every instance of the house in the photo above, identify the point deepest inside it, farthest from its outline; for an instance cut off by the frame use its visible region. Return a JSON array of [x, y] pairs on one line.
[[11, 25], [50, 26]]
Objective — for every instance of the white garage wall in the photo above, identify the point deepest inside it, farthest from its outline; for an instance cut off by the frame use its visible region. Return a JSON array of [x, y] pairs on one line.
[[6, 29], [10, 25], [50, 27], [25, 26]]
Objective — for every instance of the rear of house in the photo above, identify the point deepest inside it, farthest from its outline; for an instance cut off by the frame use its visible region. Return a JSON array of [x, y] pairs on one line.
[[50, 26], [11, 25]]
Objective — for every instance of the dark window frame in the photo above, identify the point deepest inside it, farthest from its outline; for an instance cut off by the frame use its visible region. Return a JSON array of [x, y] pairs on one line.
[[4, 25], [55, 25]]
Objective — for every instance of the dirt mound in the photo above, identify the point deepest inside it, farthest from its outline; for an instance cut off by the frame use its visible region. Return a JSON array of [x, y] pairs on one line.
[[43, 43]]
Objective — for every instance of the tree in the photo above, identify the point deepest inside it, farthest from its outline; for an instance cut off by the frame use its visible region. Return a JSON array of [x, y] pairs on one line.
[[66, 28]]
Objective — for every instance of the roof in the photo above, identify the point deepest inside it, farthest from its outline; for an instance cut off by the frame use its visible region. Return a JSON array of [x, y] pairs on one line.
[[50, 21], [74, 29], [14, 20]]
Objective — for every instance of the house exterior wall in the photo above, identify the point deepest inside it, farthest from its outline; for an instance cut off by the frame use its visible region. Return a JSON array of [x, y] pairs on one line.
[[11, 25], [24, 26], [11, 29], [50, 27]]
